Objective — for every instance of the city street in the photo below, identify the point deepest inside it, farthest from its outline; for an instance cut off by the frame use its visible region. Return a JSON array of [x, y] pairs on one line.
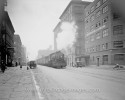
[[17, 84], [80, 83], [45, 83]]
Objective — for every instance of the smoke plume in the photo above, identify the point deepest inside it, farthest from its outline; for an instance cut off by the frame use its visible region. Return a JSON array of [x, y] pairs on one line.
[[67, 36]]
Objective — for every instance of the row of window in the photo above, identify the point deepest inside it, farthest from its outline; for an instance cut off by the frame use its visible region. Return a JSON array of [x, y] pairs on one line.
[[117, 57], [98, 4], [118, 29], [98, 24], [116, 44], [97, 48], [104, 10], [98, 35]]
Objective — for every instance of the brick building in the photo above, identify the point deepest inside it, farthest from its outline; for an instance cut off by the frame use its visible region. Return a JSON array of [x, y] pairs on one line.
[[104, 33]]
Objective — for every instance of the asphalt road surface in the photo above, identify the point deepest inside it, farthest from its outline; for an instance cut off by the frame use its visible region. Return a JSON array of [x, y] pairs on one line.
[[84, 84]]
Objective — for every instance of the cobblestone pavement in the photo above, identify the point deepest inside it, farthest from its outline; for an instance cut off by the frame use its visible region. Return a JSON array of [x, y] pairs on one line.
[[17, 84]]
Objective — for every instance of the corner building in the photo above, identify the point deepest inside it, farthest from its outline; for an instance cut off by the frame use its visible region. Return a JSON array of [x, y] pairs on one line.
[[104, 34], [74, 12]]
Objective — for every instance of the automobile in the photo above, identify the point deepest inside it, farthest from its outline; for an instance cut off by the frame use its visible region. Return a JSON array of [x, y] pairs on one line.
[[32, 64], [79, 64]]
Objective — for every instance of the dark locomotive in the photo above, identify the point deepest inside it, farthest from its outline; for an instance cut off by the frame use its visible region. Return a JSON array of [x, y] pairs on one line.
[[55, 60]]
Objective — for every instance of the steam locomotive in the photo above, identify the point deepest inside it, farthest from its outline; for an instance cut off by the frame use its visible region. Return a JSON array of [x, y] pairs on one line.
[[55, 60]]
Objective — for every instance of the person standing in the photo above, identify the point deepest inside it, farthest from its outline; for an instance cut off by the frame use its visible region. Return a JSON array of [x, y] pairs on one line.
[[20, 65], [3, 67]]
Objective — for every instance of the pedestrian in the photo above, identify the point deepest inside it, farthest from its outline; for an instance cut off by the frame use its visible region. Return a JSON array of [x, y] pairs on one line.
[[20, 66], [3, 67], [27, 68]]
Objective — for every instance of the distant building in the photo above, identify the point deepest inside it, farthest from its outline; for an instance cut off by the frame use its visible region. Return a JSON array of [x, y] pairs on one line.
[[18, 49], [24, 55], [43, 53], [105, 33]]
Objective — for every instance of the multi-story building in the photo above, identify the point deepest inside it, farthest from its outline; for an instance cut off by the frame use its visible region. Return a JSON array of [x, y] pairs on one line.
[[104, 33], [74, 12], [24, 55], [7, 43], [18, 49], [43, 53], [2, 9]]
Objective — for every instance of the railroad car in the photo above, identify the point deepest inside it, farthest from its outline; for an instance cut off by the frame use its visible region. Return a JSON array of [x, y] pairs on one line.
[[55, 60]]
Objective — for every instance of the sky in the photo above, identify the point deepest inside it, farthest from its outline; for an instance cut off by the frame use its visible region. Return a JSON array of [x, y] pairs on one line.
[[34, 21]]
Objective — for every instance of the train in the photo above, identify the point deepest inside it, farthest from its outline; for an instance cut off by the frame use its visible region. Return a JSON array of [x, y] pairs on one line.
[[55, 60]]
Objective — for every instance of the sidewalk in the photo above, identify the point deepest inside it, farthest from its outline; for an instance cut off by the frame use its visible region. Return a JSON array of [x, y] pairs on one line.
[[103, 67], [17, 84]]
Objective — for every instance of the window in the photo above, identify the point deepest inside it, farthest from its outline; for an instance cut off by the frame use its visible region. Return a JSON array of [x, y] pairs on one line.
[[118, 29], [92, 8], [116, 16], [105, 57], [98, 48], [98, 35], [105, 33], [92, 18], [103, 46], [87, 13], [118, 44], [106, 46], [98, 4], [105, 9], [98, 24], [104, 1], [105, 19], [98, 13], [119, 57]]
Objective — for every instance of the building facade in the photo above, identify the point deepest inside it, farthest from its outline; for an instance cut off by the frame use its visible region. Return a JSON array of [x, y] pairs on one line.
[[74, 12], [7, 43], [2, 9], [18, 49], [104, 33]]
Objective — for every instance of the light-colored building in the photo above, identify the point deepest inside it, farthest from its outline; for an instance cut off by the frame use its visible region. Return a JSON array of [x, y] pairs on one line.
[[24, 55], [74, 12], [104, 33]]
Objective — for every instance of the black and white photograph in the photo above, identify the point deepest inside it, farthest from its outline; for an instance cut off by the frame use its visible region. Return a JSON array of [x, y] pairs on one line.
[[62, 49]]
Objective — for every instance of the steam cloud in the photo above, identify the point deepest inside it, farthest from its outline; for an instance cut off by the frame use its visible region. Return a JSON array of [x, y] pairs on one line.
[[67, 36]]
